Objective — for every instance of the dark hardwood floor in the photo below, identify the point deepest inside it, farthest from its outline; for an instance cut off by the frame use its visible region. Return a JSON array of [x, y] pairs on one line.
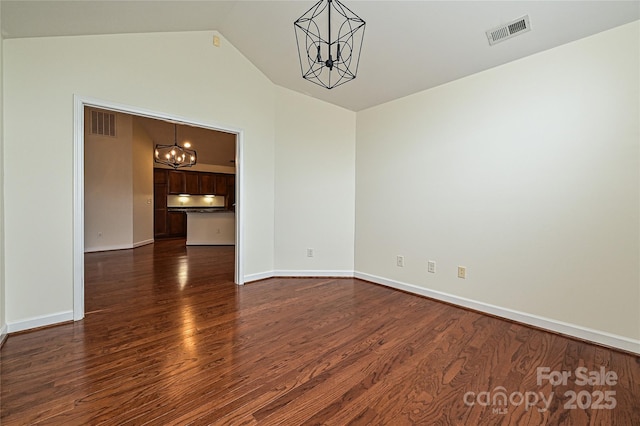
[[169, 339]]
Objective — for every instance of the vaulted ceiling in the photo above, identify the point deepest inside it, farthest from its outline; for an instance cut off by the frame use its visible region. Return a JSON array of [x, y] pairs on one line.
[[409, 46]]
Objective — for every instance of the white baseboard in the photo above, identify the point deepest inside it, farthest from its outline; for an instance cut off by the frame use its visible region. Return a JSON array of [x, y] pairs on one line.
[[208, 243], [298, 273], [313, 273], [143, 243], [119, 246], [259, 276], [40, 321], [584, 333], [108, 248]]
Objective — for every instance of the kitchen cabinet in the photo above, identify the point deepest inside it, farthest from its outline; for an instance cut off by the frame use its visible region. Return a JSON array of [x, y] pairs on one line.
[[183, 182], [191, 184], [197, 183], [221, 184], [176, 224], [159, 176], [213, 184], [231, 192], [159, 209], [160, 196], [160, 203], [207, 184], [160, 223], [177, 182], [167, 223]]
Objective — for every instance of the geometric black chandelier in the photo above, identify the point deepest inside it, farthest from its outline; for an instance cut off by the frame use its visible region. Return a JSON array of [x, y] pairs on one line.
[[329, 38], [175, 155]]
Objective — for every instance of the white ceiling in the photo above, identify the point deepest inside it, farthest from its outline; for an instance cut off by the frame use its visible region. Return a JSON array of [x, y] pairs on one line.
[[409, 46]]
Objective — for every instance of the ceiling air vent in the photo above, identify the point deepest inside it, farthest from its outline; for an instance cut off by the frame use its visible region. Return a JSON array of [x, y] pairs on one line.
[[103, 123], [509, 30]]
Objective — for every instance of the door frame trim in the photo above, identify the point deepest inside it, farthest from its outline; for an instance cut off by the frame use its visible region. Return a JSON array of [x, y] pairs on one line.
[[80, 102]]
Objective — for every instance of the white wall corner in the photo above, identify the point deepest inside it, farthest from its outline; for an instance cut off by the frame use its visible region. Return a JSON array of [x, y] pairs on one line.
[[572, 330]]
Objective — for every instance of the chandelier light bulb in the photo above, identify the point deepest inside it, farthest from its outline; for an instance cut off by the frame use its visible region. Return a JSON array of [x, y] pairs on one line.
[[175, 155]]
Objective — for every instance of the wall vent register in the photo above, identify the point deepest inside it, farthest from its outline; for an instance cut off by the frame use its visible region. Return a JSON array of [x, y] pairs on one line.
[[103, 123], [509, 30]]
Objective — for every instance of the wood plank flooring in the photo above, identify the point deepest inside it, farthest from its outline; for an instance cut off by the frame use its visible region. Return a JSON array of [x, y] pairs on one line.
[[168, 339]]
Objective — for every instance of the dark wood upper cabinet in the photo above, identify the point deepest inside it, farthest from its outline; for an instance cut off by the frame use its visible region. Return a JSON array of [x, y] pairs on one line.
[[177, 182], [207, 184], [191, 183], [221, 184], [173, 182]]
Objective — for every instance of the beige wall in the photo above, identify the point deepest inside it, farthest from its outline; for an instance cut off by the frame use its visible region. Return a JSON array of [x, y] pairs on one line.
[[146, 71], [527, 174], [118, 187], [315, 186], [108, 187]]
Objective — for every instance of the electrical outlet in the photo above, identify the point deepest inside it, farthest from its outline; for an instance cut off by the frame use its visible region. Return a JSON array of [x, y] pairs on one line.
[[400, 261], [431, 266], [309, 252], [462, 272]]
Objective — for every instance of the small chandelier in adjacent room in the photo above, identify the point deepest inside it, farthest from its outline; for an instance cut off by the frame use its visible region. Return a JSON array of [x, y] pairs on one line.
[[175, 155], [329, 37]]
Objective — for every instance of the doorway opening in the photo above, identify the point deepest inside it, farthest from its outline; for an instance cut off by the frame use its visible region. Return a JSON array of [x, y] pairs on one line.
[[152, 126]]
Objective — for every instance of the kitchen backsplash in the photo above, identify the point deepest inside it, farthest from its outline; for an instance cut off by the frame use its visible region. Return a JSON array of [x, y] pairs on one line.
[[195, 201]]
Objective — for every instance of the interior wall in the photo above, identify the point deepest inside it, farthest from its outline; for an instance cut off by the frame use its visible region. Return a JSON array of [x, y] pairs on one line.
[[315, 186], [527, 174], [108, 187], [142, 189], [3, 327], [153, 72]]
